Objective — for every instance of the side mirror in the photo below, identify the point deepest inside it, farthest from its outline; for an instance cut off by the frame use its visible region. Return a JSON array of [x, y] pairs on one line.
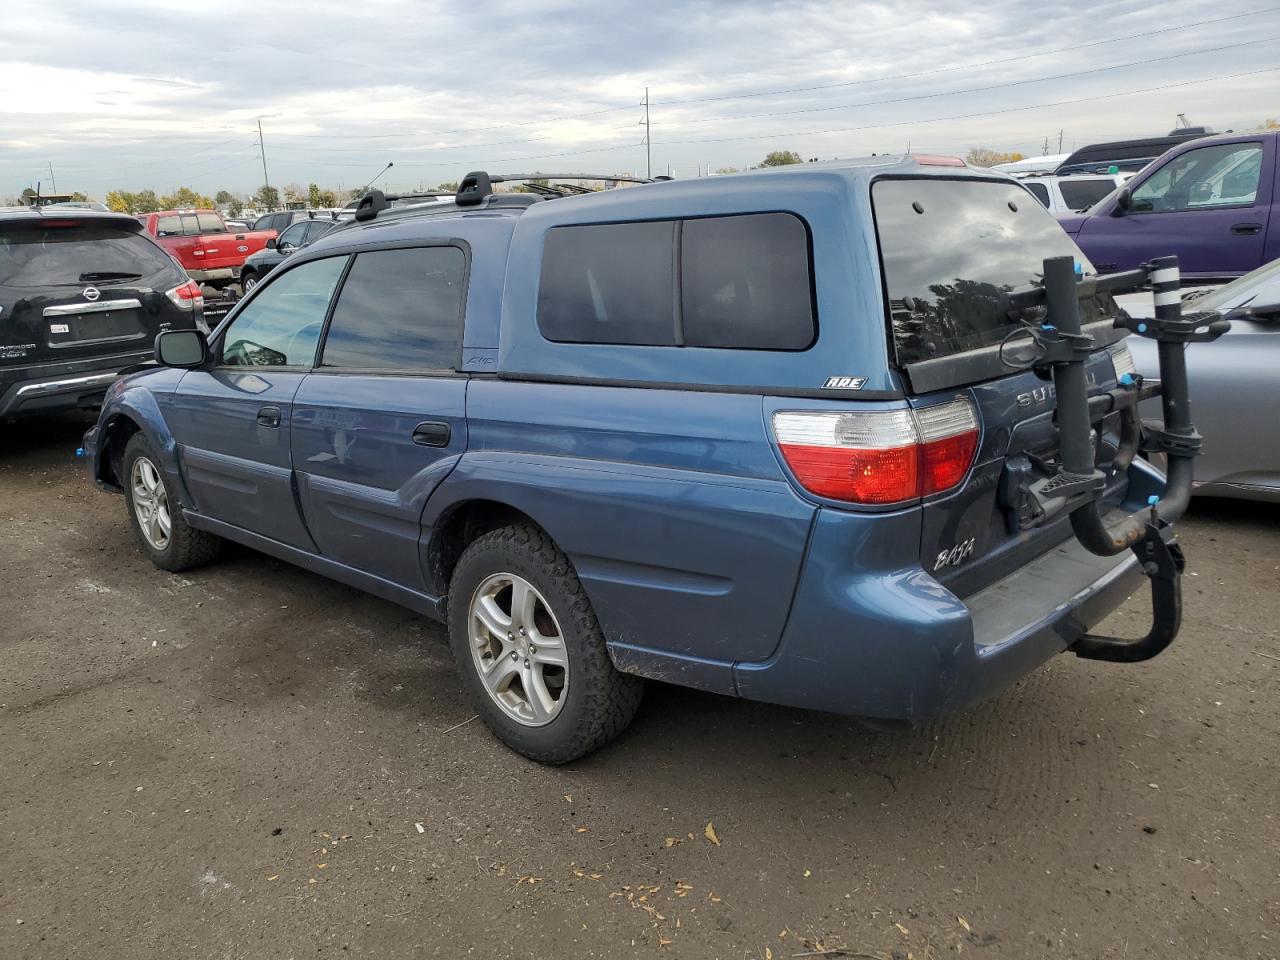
[[1124, 200], [271, 244], [184, 349]]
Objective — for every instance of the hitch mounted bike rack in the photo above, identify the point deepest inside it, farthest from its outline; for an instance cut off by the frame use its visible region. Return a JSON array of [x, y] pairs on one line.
[[1076, 484]]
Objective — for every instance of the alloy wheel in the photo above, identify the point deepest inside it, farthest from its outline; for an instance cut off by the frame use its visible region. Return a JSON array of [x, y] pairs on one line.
[[150, 503]]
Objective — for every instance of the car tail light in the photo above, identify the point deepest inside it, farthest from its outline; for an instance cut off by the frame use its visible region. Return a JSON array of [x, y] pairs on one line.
[[933, 160], [879, 456], [188, 296]]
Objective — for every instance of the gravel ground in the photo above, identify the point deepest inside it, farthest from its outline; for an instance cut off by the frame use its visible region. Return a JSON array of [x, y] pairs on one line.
[[249, 761]]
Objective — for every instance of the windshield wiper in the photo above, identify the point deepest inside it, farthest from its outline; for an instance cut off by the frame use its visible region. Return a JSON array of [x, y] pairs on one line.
[[100, 276]]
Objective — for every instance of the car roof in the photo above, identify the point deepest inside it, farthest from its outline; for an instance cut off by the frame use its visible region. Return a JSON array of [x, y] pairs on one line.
[[36, 214]]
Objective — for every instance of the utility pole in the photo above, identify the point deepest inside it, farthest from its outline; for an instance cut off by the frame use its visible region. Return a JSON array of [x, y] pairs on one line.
[[262, 148], [648, 141], [1059, 141], [52, 177], [1045, 151]]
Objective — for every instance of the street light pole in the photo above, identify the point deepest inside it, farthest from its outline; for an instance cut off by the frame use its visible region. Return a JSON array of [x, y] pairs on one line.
[[262, 147]]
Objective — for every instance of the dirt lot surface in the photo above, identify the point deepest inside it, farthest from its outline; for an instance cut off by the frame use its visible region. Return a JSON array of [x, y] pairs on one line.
[[249, 761]]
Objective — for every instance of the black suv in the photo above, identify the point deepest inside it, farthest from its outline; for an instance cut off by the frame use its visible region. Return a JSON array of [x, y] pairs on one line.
[[295, 237], [82, 296]]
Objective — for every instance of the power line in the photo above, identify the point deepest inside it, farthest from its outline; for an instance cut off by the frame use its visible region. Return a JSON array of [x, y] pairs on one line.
[[969, 66]]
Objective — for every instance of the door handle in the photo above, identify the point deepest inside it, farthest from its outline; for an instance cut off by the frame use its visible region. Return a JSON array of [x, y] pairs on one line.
[[269, 417], [1246, 229], [432, 433]]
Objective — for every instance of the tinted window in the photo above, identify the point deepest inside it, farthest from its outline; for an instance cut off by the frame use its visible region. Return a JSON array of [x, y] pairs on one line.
[[263, 223], [1224, 175], [745, 282], [281, 325], [1040, 191], [36, 255], [950, 248], [1083, 194], [399, 310], [609, 283], [169, 226], [210, 223]]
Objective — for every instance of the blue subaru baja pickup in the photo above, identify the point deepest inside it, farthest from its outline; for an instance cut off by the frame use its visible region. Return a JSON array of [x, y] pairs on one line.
[[857, 437]]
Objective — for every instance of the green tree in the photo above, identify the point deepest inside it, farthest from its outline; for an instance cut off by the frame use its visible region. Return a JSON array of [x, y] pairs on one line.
[[121, 201], [722, 171], [79, 196], [327, 199], [266, 198], [450, 185], [986, 157], [313, 195], [223, 198], [235, 207], [781, 158], [28, 193], [185, 198]]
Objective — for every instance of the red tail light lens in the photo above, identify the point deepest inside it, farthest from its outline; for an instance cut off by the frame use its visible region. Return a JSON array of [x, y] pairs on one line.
[[879, 456], [188, 296]]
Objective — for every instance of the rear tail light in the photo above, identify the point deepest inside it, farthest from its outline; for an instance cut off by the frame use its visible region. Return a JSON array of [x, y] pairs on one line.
[[879, 456], [188, 296]]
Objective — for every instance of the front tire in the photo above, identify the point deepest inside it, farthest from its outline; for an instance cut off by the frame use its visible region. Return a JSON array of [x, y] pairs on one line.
[[156, 515], [531, 651], [248, 280]]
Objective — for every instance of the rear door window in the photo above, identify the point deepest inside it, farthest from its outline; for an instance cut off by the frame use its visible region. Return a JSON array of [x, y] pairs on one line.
[[739, 282], [949, 248], [190, 226], [169, 226], [39, 255], [399, 310], [210, 223], [1083, 194]]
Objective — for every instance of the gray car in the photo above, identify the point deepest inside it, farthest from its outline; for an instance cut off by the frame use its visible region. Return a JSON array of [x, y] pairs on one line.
[[1232, 379]]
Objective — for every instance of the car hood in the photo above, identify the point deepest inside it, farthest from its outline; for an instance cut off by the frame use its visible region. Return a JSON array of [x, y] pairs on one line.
[[1072, 222]]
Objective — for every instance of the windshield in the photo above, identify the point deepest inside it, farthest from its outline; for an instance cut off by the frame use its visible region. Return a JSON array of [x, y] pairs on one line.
[[949, 248], [52, 254], [1262, 284]]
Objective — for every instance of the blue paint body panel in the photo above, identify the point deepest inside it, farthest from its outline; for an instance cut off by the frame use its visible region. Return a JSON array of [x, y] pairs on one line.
[[705, 561]]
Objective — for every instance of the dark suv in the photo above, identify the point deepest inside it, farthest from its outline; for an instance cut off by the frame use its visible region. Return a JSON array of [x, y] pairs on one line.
[[844, 436], [83, 295]]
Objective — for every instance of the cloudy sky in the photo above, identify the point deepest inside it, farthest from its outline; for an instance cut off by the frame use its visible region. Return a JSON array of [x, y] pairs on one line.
[[142, 93]]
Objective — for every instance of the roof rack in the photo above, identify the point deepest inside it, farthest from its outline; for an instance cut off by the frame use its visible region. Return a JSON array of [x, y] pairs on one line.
[[479, 184], [477, 187]]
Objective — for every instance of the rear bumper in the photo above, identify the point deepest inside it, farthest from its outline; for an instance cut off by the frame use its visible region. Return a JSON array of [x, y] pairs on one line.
[[897, 644], [47, 388], [219, 273]]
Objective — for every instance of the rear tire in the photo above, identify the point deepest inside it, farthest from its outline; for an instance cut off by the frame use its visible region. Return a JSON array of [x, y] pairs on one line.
[[551, 703], [156, 514]]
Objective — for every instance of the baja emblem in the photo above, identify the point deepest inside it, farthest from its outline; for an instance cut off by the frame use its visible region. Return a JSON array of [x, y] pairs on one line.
[[844, 383], [957, 555]]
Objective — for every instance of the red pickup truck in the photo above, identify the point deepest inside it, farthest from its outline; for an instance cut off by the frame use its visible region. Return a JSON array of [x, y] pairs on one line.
[[202, 243]]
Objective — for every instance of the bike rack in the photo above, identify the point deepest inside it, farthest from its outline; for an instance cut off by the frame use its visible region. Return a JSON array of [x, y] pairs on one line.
[[1076, 484]]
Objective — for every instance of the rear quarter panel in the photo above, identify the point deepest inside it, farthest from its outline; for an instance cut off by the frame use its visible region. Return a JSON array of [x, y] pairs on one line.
[[672, 507]]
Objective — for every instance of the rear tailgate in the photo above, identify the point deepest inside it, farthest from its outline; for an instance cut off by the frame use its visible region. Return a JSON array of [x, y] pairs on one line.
[[949, 249], [73, 289]]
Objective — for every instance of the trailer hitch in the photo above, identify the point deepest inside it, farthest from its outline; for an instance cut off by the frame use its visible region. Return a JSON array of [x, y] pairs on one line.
[[1075, 484]]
